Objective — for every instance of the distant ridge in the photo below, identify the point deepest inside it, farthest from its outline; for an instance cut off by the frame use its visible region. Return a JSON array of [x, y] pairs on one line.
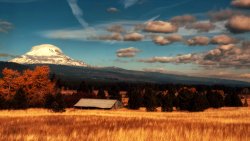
[[112, 74]]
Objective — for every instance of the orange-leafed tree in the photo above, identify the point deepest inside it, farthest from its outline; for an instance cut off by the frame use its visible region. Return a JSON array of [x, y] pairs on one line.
[[10, 83], [36, 84]]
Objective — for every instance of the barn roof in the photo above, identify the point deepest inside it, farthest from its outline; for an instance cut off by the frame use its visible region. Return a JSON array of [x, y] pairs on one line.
[[96, 103]]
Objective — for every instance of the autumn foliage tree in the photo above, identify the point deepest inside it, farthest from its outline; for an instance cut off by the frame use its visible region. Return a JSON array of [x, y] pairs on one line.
[[34, 83], [10, 83], [37, 84]]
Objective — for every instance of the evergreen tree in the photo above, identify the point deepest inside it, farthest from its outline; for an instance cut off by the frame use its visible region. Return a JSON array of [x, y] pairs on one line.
[[101, 94], [2, 102], [49, 99], [135, 99], [167, 101], [233, 100], [150, 100], [198, 103], [19, 100], [83, 87], [215, 99], [55, 102], [185, 98], [114, 93], [58, 105]]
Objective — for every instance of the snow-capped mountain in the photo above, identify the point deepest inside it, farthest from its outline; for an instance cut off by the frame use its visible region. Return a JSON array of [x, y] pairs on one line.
[[47, 54]]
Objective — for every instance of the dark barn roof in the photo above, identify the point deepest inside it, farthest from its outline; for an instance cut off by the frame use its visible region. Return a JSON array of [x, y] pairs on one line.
[[98, 103]]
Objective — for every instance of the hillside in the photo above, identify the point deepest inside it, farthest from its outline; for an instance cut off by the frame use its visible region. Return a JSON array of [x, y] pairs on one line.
[[111, 74]]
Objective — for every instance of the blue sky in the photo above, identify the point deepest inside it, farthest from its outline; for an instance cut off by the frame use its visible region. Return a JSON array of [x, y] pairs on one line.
[[79, 28]]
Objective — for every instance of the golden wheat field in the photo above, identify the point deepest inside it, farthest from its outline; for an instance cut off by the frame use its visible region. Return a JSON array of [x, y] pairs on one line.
[[225, 124]]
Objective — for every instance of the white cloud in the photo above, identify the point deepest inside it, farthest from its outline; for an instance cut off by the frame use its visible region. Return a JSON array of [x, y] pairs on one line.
[[5, 26], [71, 34], [198, 40], [112, 10], [127, 52], [160, 27], [224, 56], [160, 40], [129, 3], [223, 39], [133, 37], [77, 12], [238, 24]]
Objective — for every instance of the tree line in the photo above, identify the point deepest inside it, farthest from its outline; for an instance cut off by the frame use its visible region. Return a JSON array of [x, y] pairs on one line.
[[39, 88]]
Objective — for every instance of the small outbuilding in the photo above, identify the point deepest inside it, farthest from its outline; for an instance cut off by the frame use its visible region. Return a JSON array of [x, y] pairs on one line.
[[85, 103]]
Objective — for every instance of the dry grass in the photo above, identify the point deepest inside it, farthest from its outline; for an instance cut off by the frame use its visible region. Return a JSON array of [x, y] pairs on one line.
[[226, 124]]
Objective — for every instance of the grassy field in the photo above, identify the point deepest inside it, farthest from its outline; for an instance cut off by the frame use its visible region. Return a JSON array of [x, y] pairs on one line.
[[225, 124]]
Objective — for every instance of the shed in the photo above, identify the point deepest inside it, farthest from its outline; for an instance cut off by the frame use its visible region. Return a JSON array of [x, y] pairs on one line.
[[98, 104]]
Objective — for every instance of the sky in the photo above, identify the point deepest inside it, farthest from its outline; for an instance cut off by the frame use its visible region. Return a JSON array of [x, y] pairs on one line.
[[207, 38]]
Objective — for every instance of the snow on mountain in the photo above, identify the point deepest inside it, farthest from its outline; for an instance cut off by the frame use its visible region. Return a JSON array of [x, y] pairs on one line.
[[47, 54]]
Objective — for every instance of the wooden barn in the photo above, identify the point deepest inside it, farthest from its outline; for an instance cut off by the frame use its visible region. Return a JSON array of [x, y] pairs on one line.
[[85, 103]]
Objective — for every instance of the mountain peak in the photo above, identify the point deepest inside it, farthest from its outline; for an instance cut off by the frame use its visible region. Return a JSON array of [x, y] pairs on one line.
[[47, 54], [45, 50]]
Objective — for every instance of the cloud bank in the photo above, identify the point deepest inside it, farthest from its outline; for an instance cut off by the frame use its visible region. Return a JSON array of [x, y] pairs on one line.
[[224, 56]]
